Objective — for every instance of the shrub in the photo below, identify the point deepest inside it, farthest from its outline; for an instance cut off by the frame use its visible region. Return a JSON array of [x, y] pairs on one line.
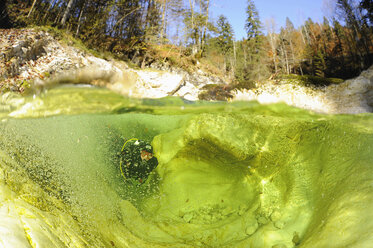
[[308, 80], [249, 84], [215, 92]]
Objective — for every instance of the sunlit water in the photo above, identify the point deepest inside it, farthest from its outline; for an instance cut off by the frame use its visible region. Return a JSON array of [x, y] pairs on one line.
[[229, 175]]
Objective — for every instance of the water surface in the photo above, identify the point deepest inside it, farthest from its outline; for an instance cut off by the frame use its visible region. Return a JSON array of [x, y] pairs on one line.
[[229, 174]]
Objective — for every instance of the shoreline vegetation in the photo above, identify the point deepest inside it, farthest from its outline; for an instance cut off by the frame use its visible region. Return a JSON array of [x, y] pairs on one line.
[[139, 32]]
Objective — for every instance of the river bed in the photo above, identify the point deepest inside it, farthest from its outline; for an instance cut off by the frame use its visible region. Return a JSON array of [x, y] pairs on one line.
[[229, 175]]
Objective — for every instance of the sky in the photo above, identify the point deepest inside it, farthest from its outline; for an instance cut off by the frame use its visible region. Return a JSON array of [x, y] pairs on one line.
[[297, 10]]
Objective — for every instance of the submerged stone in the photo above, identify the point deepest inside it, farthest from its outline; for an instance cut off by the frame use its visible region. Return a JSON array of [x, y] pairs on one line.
[[228, 175]]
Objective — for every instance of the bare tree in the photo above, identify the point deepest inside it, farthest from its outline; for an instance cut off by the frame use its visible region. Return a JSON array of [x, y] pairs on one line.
[[328, 8], [206, 23], [49, 8], [32, 8], [163, 27], [67, 12], [80, 18], [273, 39], [191, 4]]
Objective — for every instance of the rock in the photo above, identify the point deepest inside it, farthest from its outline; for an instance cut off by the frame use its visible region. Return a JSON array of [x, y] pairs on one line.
[[252, 227], [296, 238], [279, 224], [24, 50], [263, 220], [188, 92], [250, 230], [39, 57], [188, 217], [275, 216], [279, 246], [350, 97]]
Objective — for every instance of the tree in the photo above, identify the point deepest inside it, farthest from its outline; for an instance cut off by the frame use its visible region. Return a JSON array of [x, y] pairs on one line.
[[225, 35], [225, 42], [339, 34], [287, 42], [206, 5], [273, 40], [32, 8], [4, 18], [284, 51], [289, 26], [367, 6], [175, 10], [253, 24], [164, 23], [254, 52], [67, 12], [196, 22], [359, 37], [80, 18]]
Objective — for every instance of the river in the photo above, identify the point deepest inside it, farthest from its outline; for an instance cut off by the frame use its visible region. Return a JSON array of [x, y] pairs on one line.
[[229, 175]]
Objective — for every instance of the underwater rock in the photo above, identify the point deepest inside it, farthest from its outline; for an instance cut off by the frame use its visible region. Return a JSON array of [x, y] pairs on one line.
[[228, 176]]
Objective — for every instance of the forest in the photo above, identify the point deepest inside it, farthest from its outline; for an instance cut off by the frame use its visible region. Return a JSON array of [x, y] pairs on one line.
[[182, 33]]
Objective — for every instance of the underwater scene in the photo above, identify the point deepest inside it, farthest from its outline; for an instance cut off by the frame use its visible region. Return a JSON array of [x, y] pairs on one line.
[[86, 167]]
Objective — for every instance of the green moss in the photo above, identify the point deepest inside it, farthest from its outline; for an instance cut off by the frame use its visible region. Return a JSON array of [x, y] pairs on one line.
[[244, 85], [46, 74], [308, 80], [237, 175], [210, 86], [3, 88], [68, 39], [132, 65]]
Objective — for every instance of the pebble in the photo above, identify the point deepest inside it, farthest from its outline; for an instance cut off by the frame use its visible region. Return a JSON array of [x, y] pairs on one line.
[[279, 224], [262, 220], [188, 217], [279, 246], [275, 216], [250, 230]]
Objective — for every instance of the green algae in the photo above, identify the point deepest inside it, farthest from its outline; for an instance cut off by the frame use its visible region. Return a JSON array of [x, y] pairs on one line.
[[229, 175]]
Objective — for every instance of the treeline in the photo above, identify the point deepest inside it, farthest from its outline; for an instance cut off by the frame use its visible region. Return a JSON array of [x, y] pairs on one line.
[[121, 26], [327, 49], [341, 46]]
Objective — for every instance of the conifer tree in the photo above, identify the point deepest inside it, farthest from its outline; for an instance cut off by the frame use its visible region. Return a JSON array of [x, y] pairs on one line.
[[255, 66], [359, 37], [225, 42], [225, 35], [253, 24]]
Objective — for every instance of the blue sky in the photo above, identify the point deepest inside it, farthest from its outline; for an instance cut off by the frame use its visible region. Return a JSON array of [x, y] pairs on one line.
[[297, 10]]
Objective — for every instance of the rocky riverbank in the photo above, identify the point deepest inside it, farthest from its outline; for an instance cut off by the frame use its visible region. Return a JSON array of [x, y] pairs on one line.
[[36, 59], [33, 60], [350, 97]]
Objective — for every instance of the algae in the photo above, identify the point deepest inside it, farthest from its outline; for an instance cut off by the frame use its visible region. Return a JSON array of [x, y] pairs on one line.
[[229, 175]]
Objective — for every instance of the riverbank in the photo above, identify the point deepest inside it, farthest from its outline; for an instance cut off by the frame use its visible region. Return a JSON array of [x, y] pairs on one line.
[[350, 97], [34, 59]]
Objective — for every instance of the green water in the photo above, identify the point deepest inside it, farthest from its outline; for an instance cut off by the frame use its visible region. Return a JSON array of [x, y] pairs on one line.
[[229, 175]]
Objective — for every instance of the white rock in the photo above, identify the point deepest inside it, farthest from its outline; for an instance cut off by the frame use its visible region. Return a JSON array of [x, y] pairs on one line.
[[352, 96]]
